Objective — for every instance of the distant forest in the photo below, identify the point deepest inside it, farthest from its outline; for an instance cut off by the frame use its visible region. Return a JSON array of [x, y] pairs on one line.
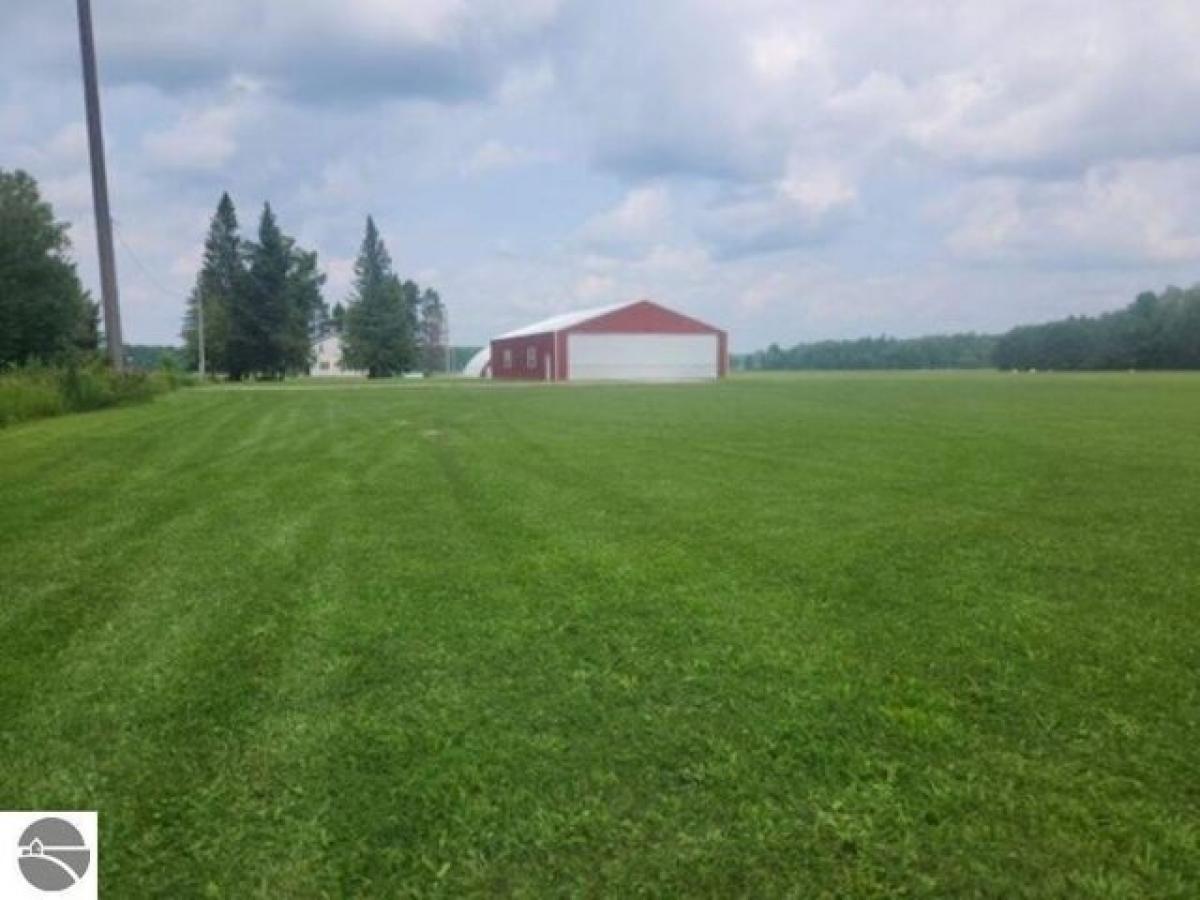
[[148, 357], [1156, 331], [952, 351]]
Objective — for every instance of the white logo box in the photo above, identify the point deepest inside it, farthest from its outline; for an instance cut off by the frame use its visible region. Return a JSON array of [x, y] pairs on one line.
[[60, 850]]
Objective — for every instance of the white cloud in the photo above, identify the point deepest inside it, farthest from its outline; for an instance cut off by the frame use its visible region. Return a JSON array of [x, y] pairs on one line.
[[199, 140], [778, 55], [70, 194], [1138, 212], [68, 146], [339, 271], [817, 187], [593, 289], [205, 137], [640, 219], [757, 296], [420, 21], [496, 156], [811, 200], [527, 82]]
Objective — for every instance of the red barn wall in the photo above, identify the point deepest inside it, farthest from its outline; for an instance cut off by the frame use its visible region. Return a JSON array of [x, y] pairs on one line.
[[543, 347]]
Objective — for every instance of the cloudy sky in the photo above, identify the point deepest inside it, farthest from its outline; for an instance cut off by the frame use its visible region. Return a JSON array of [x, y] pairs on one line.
[[789, 170]]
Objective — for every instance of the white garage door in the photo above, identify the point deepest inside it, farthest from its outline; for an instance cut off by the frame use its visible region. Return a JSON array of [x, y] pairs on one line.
[[642, 356]]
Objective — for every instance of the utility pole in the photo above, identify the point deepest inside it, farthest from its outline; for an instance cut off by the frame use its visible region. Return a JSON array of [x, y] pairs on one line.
[[104, 241]]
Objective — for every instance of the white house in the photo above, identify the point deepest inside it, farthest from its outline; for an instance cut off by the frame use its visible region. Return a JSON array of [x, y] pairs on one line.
[[327, 359]]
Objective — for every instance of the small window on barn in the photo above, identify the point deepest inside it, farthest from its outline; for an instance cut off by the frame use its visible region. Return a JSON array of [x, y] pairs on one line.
[[531, 357], [508, 359], [324, 366]]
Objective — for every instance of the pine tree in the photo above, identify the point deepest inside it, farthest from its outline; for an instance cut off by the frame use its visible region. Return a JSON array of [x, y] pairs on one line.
[[307, 311], [433, 331], [220, 286], [410, 295], [261, 299], [380, 317], [259, 324]]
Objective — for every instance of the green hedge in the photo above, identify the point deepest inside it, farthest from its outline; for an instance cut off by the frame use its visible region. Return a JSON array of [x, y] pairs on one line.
[[35, 392]]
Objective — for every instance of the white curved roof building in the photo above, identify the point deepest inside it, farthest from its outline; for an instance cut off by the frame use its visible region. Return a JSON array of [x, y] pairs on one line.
[[479, 365]]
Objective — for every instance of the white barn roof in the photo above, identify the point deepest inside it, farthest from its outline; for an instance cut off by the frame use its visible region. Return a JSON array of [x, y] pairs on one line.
[[561, 321]]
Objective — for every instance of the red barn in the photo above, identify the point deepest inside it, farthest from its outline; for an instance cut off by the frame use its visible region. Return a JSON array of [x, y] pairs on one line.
[[629, 341]]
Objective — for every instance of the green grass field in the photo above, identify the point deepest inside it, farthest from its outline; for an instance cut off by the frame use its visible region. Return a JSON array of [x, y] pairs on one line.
[[842, 635]]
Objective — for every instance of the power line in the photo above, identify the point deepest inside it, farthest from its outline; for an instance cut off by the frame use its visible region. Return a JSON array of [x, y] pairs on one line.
[[138, 262]]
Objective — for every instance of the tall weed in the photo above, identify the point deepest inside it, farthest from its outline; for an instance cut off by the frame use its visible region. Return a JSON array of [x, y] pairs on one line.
[[38, 391]]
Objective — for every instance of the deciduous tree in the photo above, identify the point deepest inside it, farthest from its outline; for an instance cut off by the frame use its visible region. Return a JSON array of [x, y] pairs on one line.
[[44, 312]]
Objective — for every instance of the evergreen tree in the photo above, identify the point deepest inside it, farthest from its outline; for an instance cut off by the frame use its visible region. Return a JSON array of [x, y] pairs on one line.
[[262, 299], [433, 331], [220, 286], [44, 312], [261, 318], [307, 312], [270, 261], [337, 318], [379, 334], [410, 294], [322, 321]]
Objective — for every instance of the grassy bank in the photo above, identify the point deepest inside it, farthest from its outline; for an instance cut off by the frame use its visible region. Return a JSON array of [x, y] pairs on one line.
[[841, 636], [38, 392]]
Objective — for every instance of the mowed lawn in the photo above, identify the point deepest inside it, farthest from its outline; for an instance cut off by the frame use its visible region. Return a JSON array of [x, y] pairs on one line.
[[841, 635]]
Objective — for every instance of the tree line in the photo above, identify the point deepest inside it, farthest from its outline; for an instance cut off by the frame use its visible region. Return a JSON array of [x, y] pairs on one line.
[[953, 351], [1156, 331], [262, 307]]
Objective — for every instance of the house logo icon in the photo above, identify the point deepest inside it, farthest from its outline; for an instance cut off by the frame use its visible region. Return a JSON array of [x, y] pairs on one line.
[[53, 855]]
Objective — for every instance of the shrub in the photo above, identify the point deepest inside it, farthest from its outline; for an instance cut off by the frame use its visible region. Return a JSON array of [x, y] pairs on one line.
[[36, 391], [172, 376], [84, 388], [31, 393]]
